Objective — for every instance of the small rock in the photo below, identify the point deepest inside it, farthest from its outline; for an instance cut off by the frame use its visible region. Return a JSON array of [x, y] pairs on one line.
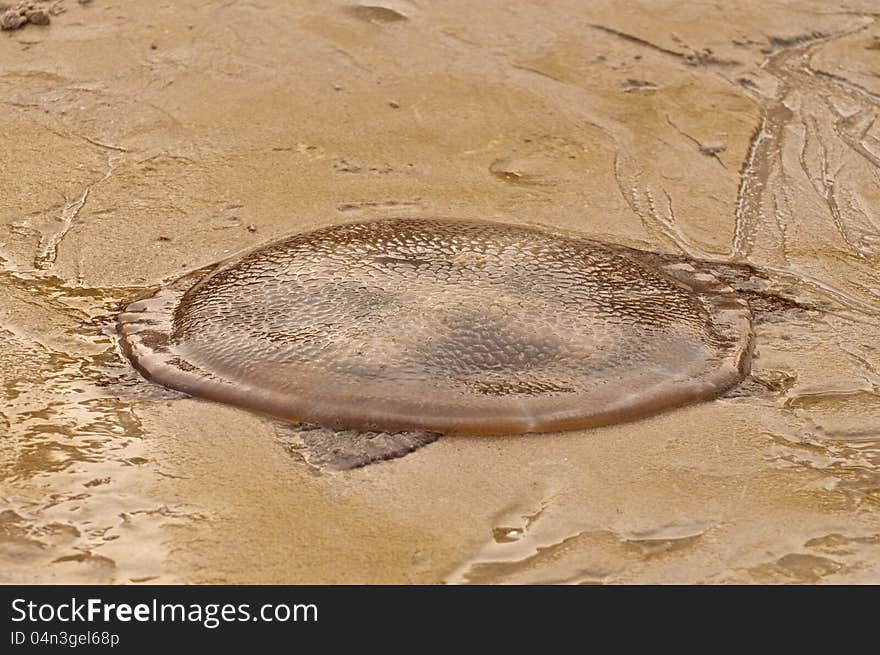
[[153, 46], [38, 17], [12, 20], [638, 85], [251, 228], [394, 105], [712, 148]]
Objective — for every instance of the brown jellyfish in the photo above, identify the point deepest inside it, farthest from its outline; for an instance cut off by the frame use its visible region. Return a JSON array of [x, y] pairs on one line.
[[444, 326]]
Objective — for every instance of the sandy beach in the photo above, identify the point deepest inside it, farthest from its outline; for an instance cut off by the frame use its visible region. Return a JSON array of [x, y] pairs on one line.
[[140, 141]]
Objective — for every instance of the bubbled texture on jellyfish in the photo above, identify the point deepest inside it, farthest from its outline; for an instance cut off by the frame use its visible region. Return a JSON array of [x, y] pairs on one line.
[[454, 326]]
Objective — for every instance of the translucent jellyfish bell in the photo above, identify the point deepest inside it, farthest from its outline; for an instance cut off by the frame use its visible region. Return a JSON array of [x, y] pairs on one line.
[[455, 327]]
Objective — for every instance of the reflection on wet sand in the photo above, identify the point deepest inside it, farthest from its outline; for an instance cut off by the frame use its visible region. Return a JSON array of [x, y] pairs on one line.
[[746, 133]]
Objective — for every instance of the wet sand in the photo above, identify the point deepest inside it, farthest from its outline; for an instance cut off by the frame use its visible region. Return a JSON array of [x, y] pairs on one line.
[[140, 142]]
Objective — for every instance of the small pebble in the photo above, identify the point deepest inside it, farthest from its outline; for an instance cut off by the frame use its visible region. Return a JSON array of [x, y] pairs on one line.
[[713, 148], [12, 20], [153, 46], [251, 228], [38, 17], [394, 105]]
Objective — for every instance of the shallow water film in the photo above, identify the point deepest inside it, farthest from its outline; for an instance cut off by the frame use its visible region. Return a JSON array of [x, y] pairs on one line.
[[142, 141]]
